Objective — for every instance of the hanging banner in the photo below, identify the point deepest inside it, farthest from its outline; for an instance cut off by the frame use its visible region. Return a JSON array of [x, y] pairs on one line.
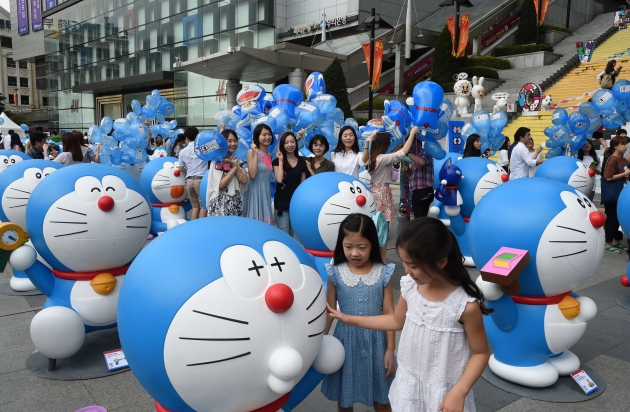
[[543, 13], [464, 26], [378, 61], [450, 23], [36, 15], [50, 4], [22, 17]]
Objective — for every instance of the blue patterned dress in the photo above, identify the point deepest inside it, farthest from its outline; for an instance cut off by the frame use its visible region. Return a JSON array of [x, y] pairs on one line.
[[362, 376]]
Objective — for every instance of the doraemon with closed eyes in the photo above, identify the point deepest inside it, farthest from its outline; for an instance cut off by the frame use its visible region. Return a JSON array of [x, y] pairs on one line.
[[242, 332], [16, 185], [568, 170], [320, 204], [11, 157], [88, 222], [166, 187], [532, 330]]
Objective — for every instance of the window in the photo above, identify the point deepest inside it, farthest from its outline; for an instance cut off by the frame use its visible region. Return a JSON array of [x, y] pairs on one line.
[[8, 23], [10, 62], [6, 42], [12, 81], [44, 101], [24, 100], [23, 82], [1, 24], [23, 65]]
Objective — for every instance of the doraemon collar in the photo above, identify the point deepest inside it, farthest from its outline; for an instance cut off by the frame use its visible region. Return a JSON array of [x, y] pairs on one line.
[[540, 300], [320, 253], [61, 274], [168, 204]]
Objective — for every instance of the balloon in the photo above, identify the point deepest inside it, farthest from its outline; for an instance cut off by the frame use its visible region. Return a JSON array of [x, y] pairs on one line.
[[560, 117], [446, 111], [498, 120], [269, 121], [326, 103], [314, 86], [244, 142], [434, 149], [554, 152], [622, 106], [442, 131], [396, 119], [115, 156], [557, 135], [578, 123], [327, 129], [1, 121], [576, 143], [480, 120], [621, 90], [281, 116], [596, 123], [94, 134], [249, 96], [210, 145], [497, 142], [589, 110], [613, 121], [288, 97], [166, 108], [353, 123], [467, 130], [604, 101], [24, 127], [136, 107], [427, 99], [306, 114], [337, 116], [106, 124], [148, 112]]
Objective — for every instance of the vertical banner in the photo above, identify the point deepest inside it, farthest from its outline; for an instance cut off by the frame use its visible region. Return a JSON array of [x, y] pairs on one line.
[[36, 15], [22, 17], [543, 13], [464, 25], [450, 23], [50, 4], [378, 61]]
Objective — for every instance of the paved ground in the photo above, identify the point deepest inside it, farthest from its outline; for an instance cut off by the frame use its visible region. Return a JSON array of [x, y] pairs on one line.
[[605, 347]]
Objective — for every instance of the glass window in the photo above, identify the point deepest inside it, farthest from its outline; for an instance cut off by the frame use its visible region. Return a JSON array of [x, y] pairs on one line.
[[23, 82], [23, 65], [44, 101], [10, 62], [25, 100], [12, 81]]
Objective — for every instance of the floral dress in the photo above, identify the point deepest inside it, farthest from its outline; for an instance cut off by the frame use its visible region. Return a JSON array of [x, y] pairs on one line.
[[225, 204]]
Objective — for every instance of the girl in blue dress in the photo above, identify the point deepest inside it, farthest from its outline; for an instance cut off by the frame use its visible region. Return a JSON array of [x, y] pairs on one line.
[[360, 283]]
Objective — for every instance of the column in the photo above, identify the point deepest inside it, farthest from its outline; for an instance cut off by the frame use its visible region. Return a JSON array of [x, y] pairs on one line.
[[297, 78], [232, 88], [476, 46], [399, 70]]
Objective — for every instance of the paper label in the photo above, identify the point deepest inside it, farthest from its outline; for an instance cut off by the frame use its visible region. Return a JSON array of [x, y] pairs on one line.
[[585, 381], [115, 359]]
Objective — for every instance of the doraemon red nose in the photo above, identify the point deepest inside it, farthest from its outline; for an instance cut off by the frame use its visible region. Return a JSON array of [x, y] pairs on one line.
[[105, 203], [176, 173], [597, 219], [591, 172], [505, 177], [279, 298], [361, 200]]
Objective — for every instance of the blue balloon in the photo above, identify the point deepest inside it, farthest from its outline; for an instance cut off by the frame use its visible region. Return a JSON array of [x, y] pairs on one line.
[[281, 116], [115, 156], [269, 121], [327, 129], [166, 108], [589, 110], [325, 102], [622, 106], [467, 130], [288, 97], [306, 114], [557, 151], [557, 135], [576, 143], [314, 86], [337, 116], [480, 120], [613, 121], [596, 123], [244, 142], [121, 123], [498, 120], [427, 99], [1, 121], [442, 131], [106, 124], [497, 142], [210, 145], [621, 90], [433, 148], [94, 134], [397, 119], [24, 127], [136, 107], [604, 101], [578, 123], [446, 111], [559, 117]]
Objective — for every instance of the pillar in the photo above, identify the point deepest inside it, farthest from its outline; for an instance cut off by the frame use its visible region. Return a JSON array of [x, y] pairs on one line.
[[232, 87], [297, 78], [476, 46], [399, 70]]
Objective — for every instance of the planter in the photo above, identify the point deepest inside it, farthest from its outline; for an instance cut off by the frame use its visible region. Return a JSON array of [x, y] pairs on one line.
[[553, 37], [536, 59]]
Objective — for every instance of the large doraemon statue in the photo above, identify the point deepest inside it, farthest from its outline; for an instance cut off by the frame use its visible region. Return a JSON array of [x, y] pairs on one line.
[[11, 157], [242, 332], [531, 331], [88, 221], [166, 187], [623, 214], [568, 170], [16, 185], [320, 204], [134, 169]]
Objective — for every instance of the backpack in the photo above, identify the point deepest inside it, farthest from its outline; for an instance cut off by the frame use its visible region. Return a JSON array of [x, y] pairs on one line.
[[607, 81]]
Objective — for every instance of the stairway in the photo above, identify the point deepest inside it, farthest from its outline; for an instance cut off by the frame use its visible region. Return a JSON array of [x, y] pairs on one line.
[[616, 47]]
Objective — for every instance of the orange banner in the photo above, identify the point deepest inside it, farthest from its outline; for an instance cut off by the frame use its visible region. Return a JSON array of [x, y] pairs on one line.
[[464, 25], [378, 61], [450, 23], [543, 12]]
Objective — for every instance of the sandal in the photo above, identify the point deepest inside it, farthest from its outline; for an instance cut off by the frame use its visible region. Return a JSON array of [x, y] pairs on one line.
[[611, 249], [619, 246]]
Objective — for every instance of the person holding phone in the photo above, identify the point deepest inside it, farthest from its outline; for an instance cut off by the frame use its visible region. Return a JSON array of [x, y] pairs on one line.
[[521, 159]]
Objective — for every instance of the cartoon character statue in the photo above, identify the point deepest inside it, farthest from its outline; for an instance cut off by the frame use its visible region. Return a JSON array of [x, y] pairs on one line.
[[16, 185], [250, 98], [88, 222], [242, 332], [568, 170], [531, 330], [546, 103], [478, 91], [314, 86], [436, 210], [166, 187], [159, 152], [134, 169], [462, 89], [501, 102], [11, 157], [623, 208], [447, 192]]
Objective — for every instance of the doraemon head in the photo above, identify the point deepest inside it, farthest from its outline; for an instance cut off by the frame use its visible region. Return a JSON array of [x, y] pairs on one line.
[[623, 210], [163, 181], [233, 334], [17, 184], [437, 165], [11, 157], [568, 170], [314, 86], [134, 170], [321, 202], [450, 174], [249, 96], [482, 175], [88, 217], [557, 224]]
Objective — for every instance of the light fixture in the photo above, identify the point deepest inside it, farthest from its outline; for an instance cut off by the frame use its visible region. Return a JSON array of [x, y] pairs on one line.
[[419, 34]]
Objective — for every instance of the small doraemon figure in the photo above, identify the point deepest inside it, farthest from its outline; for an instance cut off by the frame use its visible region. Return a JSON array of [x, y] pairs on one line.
[[16, 185], [446, 192], [166, 187], [532, 330], [88, 222], [568, 170], [11, 157], [242, 332]]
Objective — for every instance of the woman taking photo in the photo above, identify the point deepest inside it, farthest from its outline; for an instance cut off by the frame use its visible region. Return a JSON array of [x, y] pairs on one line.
[[257, 200], [346, 155], [473, 147], [178, 145], [72, 153], [88, 153], [613, 179], [318, 163], [225, 178], [588, 155], [607, 83], [290, 170]]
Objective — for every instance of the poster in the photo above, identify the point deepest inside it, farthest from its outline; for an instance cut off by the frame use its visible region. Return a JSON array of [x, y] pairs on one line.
[[36, 15], [115, 359], [464, 25], [450, 22], [543, 13], [50, 4], [378, 61], [588, 51], [22, 17], [455, 142]]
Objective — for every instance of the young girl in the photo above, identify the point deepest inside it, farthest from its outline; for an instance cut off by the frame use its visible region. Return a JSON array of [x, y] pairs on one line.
[[346, 155], [615, 172], [443, 348], [361, 284], [257, 201], [318, 163], [588, 155]]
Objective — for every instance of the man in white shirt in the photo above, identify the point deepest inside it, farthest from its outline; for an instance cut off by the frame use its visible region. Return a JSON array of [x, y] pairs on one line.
[[521, 158], [6, 140], [194, 168]]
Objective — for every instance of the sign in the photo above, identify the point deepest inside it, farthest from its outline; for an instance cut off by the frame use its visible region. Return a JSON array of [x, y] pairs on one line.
[[115, 359], [378, 61], [50, 4], [455, 141], [464, 25], [315, 26], [22, 17], [543, 12], [36, 15], [585, 381], [450, 23]]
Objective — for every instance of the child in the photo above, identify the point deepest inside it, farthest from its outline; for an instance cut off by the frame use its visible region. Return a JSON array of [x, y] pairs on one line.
[[361, 284], [443, 346]]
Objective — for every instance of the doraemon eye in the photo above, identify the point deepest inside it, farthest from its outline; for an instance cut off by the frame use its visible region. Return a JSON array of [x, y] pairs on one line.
[[4, 160], [347, 189], [88, 189], [114, 187], [32, 176], [359, 188], [245, 272], [588, 203], [14, 159], [48, 170], [283, 264], [575, 204]]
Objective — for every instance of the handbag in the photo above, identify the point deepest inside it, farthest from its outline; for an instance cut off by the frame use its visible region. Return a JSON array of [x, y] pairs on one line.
[[611, 190], [607, 81]]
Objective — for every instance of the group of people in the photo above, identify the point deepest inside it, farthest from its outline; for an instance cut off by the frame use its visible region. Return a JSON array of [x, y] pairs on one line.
[[75, 147]]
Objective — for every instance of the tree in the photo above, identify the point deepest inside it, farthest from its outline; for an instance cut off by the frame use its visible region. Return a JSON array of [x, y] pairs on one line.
[[444, 61], [336, 86], [526, 33]]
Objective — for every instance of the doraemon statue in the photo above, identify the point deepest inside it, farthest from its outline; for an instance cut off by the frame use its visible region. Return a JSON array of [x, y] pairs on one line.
[[88, 221], [532, 330], [447, 191], [242, 332], [16, 185], [623, 214], [568, 170], [314, 86], [320, 204], [134, 169], [11, 157], [436, 209], [166, 187]]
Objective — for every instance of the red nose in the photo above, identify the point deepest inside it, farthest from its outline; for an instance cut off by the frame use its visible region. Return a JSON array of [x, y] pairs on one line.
[[591, 172], [624, 281], [279, 298], [361, 200], [105, 203], [505, 177], [176, 173], [597, 219]]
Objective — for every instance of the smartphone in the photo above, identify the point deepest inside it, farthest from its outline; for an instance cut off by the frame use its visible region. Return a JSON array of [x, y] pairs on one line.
[[593, 165]]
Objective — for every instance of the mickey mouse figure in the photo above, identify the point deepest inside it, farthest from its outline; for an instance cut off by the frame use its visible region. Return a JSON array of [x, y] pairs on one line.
[[447, 193]]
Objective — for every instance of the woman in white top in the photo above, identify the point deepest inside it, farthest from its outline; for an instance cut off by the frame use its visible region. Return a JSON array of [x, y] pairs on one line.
[[504, 162], [535, 155], [72, 153], [346, 155], [588, 155]]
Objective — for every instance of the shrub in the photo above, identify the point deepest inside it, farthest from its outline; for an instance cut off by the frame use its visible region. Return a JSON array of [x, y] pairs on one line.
[[486, 72], [336, 86], [361, 120], [526, 48], [549, 27], [409, 91], [526, 32], [443, 60], [377, 104], [489, 61]]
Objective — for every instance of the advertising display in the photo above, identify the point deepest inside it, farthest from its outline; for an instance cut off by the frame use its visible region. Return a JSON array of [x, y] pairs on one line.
[[22, 17], [36, 15]]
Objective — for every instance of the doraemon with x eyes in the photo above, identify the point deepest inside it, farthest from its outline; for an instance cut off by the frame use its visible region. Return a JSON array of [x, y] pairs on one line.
[[11, 157], [242, 332], [88, 221], [532, 330], [568, 170], [16, 185], [320, 204], [166, 187]]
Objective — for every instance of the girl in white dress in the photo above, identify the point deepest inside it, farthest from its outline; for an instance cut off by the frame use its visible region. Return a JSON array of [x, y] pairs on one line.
[[346, 155], [443, 347]]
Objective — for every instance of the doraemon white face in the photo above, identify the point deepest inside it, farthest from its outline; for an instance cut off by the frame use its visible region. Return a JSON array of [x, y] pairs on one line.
[[101, 225], [570, 248], [6, 161], [489, 181], [134, 170], [17, 194], [169, 185], [227, 329], [158, 153], [352, 198], [581, 179]]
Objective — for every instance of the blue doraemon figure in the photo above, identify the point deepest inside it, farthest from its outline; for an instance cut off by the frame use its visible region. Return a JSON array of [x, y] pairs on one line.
[[320, 204], [568, 170], [11, 157], [623, 214], [436, 209], [242, 332], [532, 330], [88, 221], [166, 187], [16, 185]]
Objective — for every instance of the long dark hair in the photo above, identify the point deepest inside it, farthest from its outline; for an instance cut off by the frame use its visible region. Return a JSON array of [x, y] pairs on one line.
[[427, 241], [591, 153], [341, 147], [283, 140], [379, 147], [258, 130], [506, 144], [611, 64], [364, 227], [470, 150], [15, 140], [71, 145]]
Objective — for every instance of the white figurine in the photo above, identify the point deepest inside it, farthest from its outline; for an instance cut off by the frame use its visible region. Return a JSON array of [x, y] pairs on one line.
[[478, 91], [462, 90], [501, 101], [546, 104]]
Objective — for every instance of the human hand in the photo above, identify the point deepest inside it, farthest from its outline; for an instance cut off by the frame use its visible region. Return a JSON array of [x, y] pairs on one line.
[[309, 167], [279, 156], [335, 314], [453, 401], [222, 127], [254, 148], [300, 134], [98, 147], [414, 131], [371, 137], [233, 161], [390, 363]]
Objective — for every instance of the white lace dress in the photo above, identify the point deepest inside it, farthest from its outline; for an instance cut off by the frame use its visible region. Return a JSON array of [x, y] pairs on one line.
[[432, 353]]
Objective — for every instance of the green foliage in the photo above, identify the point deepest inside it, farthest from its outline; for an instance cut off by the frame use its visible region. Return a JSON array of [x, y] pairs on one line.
[[361, 120], [336, 86], [55, 139], [409, 91], [548, 27], [377, 104], [489, 61], [443, 60], [486, 72], [526, 33], [526, 48]]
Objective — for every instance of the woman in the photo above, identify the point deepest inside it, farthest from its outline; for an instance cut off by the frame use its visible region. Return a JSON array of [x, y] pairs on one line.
[[613, 179], [88, 153], [535, 156], [16, 143], [178, 145], [257, 200], [317, 164], [290, 170], [346, 155], [225, 179], [504, 161], [72, 153], [588, 155], [473, 147], [610, 70]]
